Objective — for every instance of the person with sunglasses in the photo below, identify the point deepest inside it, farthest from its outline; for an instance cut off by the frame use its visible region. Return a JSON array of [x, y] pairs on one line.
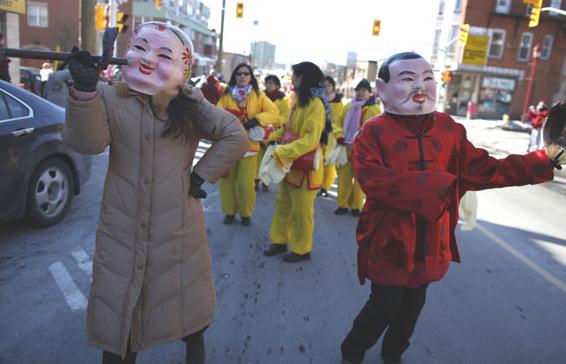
[[293, 218], [243, 98]]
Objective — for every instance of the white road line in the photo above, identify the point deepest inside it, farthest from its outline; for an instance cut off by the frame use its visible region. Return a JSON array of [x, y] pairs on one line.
[[73, 296], [547, 275], [83, 260]]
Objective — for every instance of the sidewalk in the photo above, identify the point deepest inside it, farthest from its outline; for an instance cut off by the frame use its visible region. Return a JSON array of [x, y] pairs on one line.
[[490, 135]]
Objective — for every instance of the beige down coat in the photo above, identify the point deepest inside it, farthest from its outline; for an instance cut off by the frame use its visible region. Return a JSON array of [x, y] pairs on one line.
[[152, 276]]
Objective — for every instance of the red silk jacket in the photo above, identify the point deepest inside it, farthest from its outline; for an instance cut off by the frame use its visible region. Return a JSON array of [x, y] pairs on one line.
[[413, 170]]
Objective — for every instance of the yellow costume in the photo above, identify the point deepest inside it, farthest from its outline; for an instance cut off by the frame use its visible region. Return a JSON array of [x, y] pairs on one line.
[[330, 171], [350, 194], [282, 104], [293, 218], [237, 193]]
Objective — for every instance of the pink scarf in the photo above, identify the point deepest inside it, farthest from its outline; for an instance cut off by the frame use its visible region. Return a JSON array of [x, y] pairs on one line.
[[352, 120]]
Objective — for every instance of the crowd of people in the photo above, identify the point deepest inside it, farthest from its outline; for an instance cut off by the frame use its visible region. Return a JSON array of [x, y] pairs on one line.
[[152, 278]]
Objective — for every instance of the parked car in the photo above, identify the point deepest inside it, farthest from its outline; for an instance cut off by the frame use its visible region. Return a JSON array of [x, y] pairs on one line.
[[30, 80], [38, 173]]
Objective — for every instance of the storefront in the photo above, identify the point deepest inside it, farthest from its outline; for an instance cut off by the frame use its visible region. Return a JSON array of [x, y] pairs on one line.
[[495, 96]]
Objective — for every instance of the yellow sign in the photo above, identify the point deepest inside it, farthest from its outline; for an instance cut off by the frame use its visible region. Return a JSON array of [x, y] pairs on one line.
[[14, 6], [475, 51]]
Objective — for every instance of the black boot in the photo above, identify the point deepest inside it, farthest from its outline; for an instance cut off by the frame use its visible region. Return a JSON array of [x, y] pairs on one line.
[[295, 258], [355, 212], [196, 353], [340, 211], [275, 249], [246, 221], [229, 219]]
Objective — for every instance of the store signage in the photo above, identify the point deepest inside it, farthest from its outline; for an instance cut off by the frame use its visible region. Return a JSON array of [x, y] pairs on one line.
[[475, 51], [498, 83], [13, 6]]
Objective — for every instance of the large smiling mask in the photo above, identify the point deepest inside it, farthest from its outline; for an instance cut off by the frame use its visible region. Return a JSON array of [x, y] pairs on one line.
[[406, 85], [160, 57]]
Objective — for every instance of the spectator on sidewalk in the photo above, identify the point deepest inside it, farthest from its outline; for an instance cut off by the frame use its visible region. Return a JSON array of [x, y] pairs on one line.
[[57, 86], [536, 117]]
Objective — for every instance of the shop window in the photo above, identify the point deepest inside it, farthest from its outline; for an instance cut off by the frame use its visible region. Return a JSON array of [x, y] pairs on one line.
[[503, 6], [546, 46], [497, 43], [37, 15], [496, 95], [525, 47]]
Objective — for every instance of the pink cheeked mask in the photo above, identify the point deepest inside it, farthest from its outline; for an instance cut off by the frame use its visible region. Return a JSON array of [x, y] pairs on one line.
[[160, 56]]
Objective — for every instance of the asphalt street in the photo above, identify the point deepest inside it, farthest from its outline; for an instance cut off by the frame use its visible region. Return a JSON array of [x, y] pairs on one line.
[[505, 303]]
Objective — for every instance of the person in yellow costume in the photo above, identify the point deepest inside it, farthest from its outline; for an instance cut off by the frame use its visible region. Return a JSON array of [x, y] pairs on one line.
[[362, 108], [278, 97], [243, 98], [335, 101], [293, 218]]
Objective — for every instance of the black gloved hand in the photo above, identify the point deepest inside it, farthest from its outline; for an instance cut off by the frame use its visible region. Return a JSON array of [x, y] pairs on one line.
[[195, 190], [251, 123], [83, 70]]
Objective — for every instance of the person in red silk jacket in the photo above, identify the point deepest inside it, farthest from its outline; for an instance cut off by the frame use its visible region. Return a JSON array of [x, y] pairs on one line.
[[414, 164]]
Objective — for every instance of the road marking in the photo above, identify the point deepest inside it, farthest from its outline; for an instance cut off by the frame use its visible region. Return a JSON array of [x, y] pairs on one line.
[[71, 292], [502, 243], [83, 260]]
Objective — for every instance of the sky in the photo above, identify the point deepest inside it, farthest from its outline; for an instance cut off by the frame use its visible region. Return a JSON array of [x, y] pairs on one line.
[[318, 30]]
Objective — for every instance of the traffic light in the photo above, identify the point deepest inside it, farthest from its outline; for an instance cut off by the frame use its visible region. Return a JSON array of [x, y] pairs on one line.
[[158, 4], [121, 19], [446, 76], [376, 27], [535, 14], [463, 35], [100, 16], [239, 10]]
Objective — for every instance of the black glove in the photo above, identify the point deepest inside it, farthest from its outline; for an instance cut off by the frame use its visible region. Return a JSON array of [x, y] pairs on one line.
[[83, 70], [195, 190], [252, 123]]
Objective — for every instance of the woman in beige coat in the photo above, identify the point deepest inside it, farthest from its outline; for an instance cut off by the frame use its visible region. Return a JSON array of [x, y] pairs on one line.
[[152, 279]]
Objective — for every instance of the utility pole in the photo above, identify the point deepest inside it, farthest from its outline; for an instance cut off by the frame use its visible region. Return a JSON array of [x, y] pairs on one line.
[[87, 32], [221, 41], [536, 55]]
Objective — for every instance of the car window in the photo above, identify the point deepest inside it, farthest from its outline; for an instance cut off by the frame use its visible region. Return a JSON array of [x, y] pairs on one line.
[[16, 108], [4, 114]]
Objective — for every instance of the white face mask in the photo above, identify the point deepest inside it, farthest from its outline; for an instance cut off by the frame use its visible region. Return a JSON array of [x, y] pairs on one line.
[[159, 61], [411, 89]]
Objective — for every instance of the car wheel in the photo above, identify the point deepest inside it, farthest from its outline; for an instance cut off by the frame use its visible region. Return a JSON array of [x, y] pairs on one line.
[[50, 193]]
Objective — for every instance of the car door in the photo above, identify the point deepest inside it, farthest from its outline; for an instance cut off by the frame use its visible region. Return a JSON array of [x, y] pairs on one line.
[[16, 143]]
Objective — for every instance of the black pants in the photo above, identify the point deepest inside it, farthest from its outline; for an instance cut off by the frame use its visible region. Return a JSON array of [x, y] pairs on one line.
[[396, 307], [195, 339]]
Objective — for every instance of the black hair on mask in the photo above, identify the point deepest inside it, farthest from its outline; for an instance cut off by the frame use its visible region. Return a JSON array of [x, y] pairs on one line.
[[384, 69]]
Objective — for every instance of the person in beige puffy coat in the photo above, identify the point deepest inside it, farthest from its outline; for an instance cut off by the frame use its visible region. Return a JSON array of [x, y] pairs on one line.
[[152, 279]]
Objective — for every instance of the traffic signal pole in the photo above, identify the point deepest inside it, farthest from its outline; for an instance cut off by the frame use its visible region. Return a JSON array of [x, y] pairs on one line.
[[536, 54], [221, 41], [87, 33]]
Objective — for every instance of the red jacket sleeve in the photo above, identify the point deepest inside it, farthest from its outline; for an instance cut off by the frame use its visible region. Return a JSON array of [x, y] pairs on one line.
[[479, 171], [426, 193]]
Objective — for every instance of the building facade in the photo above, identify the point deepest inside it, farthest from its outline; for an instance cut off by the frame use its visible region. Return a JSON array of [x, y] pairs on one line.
[[262, 54], [491, 71]]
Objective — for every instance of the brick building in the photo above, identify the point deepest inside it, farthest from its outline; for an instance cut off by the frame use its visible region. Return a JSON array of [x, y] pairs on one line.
[[492, 70]]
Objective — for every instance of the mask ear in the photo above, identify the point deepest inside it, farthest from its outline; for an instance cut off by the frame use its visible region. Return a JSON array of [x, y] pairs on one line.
[[380, 86]]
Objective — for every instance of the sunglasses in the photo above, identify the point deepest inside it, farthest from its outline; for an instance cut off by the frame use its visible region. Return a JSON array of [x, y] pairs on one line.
[[242, 74]]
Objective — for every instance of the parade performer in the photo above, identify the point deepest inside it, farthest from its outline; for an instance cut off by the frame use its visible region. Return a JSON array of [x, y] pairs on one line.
[[537, 116], [362, 108], [414, 164], [293, 218], [244, 99], [335, 101], [152, 279], [278, 97]]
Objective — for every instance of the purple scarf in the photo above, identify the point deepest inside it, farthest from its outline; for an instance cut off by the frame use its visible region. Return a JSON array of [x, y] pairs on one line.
[[352, 120]]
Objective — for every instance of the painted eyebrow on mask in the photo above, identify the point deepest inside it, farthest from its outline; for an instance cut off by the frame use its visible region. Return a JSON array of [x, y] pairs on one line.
[[406, 73], [166, 49]]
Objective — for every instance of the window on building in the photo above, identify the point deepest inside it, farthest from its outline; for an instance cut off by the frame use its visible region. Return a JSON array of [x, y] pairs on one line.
[[458, 5], [452, 36], [441, 7], [525, 47], [497, 43], [546, 46], [503, 6], [37, 15], [555, 4]]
